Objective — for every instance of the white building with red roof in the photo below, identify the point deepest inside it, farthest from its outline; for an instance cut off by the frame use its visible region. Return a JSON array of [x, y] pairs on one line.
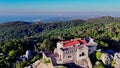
[[75, 51]]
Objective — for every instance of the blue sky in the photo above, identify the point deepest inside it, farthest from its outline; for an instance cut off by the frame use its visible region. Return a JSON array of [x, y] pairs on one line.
[[57, 7]]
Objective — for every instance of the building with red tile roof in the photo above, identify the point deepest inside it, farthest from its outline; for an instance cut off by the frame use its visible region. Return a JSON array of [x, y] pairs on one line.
[[74, 51]]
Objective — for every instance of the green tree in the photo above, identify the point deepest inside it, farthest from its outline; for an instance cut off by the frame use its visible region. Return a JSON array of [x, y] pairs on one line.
[[98, 55]]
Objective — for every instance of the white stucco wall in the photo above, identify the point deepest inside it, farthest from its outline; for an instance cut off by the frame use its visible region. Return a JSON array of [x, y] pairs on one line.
[[91, 49]]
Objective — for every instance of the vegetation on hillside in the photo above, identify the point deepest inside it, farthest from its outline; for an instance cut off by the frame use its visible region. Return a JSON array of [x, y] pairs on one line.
[[17, 37]]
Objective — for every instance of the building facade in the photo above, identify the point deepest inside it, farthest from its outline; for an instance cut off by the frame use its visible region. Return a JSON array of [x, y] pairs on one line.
[[75, 51]]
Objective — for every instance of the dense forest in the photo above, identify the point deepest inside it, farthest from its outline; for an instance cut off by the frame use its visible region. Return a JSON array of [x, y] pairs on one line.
[[20, 29], [17, 37]]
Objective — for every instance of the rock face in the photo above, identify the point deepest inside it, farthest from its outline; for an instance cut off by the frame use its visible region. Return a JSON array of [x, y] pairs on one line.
[[106, 58], [41, 64], [28, 54], [116, 59]]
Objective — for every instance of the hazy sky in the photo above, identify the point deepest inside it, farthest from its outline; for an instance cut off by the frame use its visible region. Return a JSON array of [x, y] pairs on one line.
[[57, 7]]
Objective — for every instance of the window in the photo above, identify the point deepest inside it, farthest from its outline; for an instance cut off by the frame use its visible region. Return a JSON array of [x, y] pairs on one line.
[[82, 54], [69, 56]]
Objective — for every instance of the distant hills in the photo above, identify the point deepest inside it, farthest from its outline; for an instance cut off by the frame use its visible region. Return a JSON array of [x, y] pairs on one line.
[[41, 18], [62, 18], [21, 29]]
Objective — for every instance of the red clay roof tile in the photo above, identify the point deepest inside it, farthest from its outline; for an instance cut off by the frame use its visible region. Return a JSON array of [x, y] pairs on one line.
[[73, 42]]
